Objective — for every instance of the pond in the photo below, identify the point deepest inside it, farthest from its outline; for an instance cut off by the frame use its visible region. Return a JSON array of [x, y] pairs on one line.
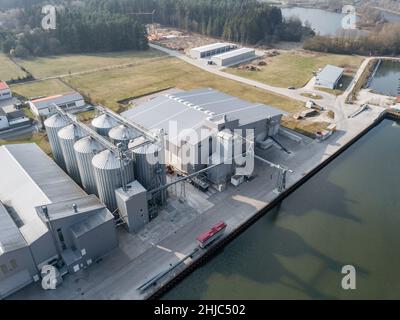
[[322, 21], [386, 80]]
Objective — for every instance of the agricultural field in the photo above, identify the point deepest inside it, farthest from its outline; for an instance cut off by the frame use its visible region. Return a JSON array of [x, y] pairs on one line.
[[296, 69], [62, 65], [8, 70], [31, 90], [109, 87]]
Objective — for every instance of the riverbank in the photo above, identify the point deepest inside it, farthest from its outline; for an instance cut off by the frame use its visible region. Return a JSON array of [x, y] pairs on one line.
[[275, 202]]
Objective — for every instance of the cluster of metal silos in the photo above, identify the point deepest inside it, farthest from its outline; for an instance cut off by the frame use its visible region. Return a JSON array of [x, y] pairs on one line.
[[101, 171], [103, 124]]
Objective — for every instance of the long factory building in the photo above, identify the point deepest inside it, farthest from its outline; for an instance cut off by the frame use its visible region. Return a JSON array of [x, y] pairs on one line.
[[45, 217], [112, 171], [208, 112]]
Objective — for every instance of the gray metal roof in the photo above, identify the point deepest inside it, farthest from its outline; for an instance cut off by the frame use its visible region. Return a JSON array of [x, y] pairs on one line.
[[10, 237], [17, 114], [32, 179], [330, 73], [60, 210], [59, 100], [91, 223], [212, 46], [233, 53], [192, 108]]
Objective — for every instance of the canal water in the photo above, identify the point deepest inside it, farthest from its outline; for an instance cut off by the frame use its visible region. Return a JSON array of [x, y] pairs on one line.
[[321, 21], [391, 17], [387, 79], [347, 214]]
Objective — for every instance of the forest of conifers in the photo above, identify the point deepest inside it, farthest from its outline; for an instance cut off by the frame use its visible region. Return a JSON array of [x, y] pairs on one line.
[[107, 25]]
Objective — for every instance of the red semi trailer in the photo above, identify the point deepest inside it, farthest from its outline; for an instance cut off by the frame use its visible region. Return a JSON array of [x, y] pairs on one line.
[[209, 236]]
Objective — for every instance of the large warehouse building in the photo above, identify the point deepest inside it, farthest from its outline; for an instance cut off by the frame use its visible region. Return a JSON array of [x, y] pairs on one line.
[[45, 218], [208, 112], [234, 57], [211, 50], [329, 77]]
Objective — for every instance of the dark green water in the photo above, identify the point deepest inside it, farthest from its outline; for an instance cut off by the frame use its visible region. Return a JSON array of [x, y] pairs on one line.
[[387, 79], [349, 213]]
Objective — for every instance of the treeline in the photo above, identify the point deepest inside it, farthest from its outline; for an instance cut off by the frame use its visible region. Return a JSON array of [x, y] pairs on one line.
[[383, 40], [78, 29], [110, 25], [245, 21]]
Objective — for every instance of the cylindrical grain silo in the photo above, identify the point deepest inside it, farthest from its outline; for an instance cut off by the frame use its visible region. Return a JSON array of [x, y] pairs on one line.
[[150, 168], [85, 149], [122, 134], [103, 124], [109, 176], [54, 124], [68, 136]]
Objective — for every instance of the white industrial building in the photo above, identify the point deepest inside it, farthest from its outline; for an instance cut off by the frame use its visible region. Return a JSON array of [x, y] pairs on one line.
[[233, 57], [5, 91], [211, 50], [70, 102], [208, 112], [329, 77], [46, 218]]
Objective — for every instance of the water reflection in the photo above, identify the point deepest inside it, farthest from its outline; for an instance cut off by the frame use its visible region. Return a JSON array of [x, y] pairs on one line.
[[346, 214]]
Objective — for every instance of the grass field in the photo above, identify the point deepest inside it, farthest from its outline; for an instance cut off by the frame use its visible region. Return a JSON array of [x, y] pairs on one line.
[[39, 138], [294, 69], [108, 87], [40, 88], [43, 67], [8, 70]]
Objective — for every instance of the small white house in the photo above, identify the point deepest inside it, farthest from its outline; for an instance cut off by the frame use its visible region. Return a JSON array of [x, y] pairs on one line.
[[70, 102], [5, 92]]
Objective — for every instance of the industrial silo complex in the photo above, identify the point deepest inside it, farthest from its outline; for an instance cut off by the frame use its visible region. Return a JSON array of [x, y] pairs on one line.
[[50, 220], [120, 174]]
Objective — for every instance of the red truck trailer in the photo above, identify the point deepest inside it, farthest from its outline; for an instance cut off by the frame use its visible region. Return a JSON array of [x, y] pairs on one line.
[[209, 236]]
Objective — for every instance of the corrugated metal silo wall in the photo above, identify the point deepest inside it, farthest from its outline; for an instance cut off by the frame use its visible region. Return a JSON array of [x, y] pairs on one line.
[[108, 180], [150, 175], [71, 164], [52, 134], [86, 170]]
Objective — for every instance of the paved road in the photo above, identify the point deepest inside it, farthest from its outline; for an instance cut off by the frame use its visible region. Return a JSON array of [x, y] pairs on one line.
[[327, 99]]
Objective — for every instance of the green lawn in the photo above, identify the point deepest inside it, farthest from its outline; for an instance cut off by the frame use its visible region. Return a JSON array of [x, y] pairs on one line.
[[294, 69], [108, 87], [8, 70], [31, 90], [43, 67]]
